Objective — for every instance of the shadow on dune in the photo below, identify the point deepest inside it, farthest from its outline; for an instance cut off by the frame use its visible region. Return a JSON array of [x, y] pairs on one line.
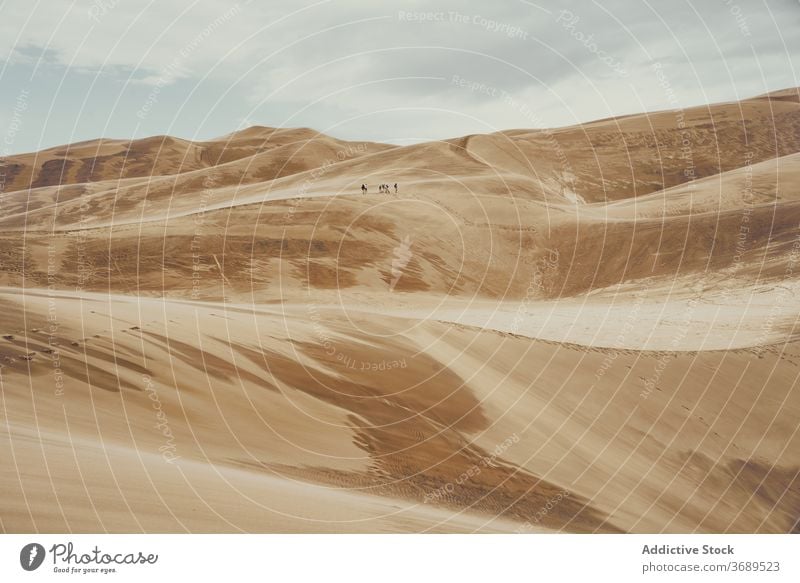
[[414, 421]]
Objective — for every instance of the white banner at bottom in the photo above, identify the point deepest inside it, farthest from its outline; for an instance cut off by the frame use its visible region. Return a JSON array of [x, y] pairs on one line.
[[356, 558]]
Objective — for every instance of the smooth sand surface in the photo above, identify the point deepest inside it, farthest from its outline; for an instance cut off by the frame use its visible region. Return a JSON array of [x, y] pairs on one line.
[[590, 329]]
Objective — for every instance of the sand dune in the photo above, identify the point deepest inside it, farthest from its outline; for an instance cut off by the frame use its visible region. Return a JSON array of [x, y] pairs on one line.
[[585, 329]]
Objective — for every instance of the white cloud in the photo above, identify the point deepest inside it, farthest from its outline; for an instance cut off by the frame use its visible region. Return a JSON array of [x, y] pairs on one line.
[[358, 58]]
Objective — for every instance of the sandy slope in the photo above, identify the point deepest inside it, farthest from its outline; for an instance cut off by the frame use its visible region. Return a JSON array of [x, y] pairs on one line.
[[586, 329]]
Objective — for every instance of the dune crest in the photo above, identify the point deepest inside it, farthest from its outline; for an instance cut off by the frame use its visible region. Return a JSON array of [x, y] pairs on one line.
[[585, 329]]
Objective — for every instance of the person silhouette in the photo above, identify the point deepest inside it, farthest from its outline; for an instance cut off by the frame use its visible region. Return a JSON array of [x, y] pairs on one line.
[[395, 188]]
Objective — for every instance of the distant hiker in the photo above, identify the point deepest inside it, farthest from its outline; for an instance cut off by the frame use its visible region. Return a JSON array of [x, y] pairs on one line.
[[363, 189], [395, 188]]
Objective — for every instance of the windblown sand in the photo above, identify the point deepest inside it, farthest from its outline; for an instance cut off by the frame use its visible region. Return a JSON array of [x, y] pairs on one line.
[[589, 329]]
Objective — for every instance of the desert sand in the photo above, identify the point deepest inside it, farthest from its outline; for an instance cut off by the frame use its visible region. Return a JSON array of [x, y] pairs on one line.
[[586, 329]]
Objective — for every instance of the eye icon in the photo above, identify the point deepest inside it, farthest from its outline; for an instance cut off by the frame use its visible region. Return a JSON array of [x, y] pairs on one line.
[[31, 556]]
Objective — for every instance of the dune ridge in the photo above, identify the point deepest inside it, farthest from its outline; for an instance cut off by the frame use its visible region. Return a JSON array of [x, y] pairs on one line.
[[585, 329]]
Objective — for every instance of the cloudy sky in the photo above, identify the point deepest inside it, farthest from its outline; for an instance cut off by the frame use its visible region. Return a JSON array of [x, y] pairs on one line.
[[390, 71]]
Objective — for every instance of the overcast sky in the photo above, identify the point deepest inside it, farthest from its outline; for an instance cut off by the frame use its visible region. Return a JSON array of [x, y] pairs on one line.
[[374, 70]]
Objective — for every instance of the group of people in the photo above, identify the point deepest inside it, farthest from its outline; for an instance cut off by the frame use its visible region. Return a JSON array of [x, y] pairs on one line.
[[382, 188]]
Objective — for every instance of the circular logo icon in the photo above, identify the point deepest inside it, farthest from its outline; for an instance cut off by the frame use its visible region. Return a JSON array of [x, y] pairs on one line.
[[31, 556]]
